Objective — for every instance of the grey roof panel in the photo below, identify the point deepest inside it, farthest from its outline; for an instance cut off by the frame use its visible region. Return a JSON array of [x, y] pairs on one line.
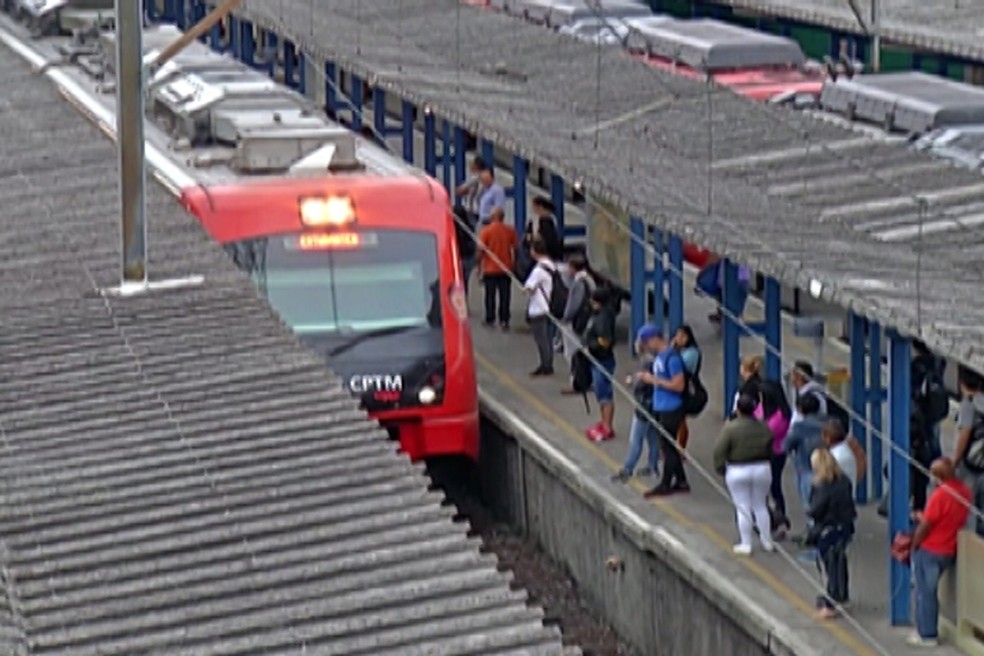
[[707, 44], [178, 474], [940, 26], [655, 131], [911, 101]]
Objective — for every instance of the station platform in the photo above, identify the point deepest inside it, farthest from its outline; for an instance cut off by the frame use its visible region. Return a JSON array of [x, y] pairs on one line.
[[779, 582], [704, 518]]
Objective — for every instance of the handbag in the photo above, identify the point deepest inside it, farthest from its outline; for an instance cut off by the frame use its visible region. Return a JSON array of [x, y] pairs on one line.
[[902, 547]]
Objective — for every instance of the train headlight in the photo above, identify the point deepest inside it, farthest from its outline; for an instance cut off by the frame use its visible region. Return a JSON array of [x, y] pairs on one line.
[[332, 211], [427, 395]]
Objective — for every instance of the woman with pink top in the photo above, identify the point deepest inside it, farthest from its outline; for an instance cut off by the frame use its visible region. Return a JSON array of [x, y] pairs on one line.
[[774, 410]]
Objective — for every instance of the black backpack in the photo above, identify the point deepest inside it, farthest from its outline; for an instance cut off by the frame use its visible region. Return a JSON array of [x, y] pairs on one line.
[[581, 380], [694, 393], [933, 399], [558, 293]]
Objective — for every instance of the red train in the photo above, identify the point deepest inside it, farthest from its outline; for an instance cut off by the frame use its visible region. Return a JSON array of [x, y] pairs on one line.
[[354, 248]]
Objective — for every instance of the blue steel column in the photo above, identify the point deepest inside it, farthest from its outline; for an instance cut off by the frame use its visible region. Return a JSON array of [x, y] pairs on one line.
[[247, 42], [899, 383], [488, 152], [430, 144], [459, 153], [357, 101], [520, 173], [674, 246], [659, 277], [270, 51], [289, 63], [408, 132], [331, 91], [557, 198], [878, 436], [860, 398], [379, 114], [446, 155], [731, 299], [773, 329], [235, 38], [301, 68], [215, 36], [637, 275]]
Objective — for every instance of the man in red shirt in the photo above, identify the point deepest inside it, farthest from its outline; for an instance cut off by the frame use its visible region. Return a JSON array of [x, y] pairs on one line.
[[497, 255], [934, 547]]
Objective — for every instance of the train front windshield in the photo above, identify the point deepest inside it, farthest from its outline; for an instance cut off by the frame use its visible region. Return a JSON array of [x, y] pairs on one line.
[[349, 282]]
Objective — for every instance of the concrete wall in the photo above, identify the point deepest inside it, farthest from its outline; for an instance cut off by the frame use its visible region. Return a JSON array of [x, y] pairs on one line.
[[655, 589]]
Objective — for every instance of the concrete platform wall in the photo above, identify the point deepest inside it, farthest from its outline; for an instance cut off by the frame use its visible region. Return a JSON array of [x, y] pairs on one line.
[[658, 596]]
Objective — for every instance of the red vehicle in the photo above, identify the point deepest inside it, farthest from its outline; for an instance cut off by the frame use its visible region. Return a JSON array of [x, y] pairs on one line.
[[354, 248], [365, 271]]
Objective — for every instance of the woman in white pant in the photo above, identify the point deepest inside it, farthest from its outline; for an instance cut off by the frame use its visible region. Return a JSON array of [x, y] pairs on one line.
[[744, 455]]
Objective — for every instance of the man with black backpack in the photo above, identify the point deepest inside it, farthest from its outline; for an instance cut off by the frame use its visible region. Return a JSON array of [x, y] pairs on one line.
[[547, 300], [969, 454]]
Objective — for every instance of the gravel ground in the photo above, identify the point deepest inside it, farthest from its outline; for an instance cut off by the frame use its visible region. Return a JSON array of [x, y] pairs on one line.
[[547, 583]]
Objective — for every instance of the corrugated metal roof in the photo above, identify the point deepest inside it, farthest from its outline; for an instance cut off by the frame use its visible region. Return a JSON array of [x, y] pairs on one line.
[[179, 476], [782, 194], [948, 27]]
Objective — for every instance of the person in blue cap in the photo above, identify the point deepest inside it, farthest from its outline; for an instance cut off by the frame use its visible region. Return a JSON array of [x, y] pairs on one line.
[[643, 430], [669, 380]]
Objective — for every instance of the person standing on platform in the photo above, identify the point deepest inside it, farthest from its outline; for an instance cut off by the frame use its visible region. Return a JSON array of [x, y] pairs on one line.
[[599, 340], [803, 383], [539, 288], [743, 454], [642, 432], [491, 195], [544, 226], [685, 342], [497, 256], [934, 547], [969, 453], [469, 191], [846, 451], [833, 513], [805, 437], [669, 381], [576, 312]]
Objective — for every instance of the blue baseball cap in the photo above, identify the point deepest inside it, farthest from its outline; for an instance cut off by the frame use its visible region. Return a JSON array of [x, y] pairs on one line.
[[647, 332]]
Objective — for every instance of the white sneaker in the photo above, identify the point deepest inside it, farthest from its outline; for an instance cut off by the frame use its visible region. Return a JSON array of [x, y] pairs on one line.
[[769, 546], [742, 549], [917, 640]]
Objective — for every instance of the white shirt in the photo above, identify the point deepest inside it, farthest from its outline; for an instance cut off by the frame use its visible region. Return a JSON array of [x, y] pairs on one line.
[[848, 463], [540, 286]]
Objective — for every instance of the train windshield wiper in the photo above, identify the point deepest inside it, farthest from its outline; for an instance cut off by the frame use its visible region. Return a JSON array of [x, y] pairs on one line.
[[371, 334]]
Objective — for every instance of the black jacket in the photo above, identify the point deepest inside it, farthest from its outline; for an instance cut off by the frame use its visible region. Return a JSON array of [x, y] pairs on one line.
[[832, 504], [601, 325]]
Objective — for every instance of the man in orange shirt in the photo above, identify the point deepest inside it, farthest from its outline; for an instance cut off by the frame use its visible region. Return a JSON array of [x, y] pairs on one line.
[[934, 547], [497, 258]]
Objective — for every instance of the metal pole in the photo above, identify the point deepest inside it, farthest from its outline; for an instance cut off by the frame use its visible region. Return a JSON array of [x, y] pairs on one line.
[[130, 137], [875, 35]]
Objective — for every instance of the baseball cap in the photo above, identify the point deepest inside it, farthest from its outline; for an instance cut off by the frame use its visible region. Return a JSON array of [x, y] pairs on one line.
[[647, 332]]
